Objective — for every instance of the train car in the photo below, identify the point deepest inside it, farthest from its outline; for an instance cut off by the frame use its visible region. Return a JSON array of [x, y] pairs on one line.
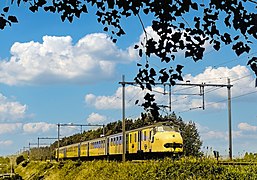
[[158, 140], [115, 144], [97, 147], [155, 141]]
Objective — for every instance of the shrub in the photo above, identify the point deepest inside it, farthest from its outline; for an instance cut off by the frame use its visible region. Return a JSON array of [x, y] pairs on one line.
[[19, 159]]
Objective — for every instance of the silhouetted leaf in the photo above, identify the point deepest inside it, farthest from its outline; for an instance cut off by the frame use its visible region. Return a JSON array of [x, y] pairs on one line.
[[12, 19], [136, 102], [105, 28], [6, 9], [254, 59], [140, 52], [236, 38], [194, 6]]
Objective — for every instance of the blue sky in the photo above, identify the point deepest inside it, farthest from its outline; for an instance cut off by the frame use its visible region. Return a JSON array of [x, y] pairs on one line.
[[53, 72]]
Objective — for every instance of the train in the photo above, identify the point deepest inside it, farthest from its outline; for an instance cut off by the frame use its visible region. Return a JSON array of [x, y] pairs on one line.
[[154, 141]]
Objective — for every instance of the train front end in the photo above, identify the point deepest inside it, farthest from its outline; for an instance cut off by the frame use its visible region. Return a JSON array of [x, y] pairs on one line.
[[167, 139]]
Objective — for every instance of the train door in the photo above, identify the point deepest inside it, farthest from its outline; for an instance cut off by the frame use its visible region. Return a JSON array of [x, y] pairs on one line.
[[116, 141], [133, 142], [139, 140], [127, 143], [107, 147], [65, 152], [88, 149], [79, 150]]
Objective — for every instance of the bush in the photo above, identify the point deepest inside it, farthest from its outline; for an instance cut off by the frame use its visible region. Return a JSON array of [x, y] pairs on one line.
[[19, 159]]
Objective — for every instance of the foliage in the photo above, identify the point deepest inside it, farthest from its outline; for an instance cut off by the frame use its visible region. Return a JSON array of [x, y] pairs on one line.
[[19, 159], [250, 157], [41, 153], [180, 25], [4, 165], [185, 168], [4, 160]]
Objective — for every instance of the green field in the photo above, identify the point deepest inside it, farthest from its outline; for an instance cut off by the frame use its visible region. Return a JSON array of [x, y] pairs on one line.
[[185, 168]]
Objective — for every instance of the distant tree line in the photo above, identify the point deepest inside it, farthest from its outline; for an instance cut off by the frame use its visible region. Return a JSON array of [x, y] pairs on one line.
[[189, 132]]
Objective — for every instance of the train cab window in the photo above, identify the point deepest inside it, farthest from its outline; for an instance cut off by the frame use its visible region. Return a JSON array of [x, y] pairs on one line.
[[165, 128]]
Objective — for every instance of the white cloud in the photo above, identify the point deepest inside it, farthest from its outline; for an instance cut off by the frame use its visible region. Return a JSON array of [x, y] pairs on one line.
[[57, 60], [6, 143], [40, 127], [246, 127], [11, 110], [214, 135], [240, 76], [95, 118], [215, 98], [132, 93], [9, 127]]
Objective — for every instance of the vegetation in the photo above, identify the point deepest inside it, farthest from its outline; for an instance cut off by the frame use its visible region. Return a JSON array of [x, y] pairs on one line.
[[185, 168], [179, 24], [19, 159], [4, 165]]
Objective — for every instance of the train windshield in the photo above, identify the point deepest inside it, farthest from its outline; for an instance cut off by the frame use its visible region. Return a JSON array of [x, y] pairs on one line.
[[166, 128]]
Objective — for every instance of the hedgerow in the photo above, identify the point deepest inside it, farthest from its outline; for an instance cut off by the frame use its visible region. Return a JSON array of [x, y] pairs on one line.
[[185, 168]]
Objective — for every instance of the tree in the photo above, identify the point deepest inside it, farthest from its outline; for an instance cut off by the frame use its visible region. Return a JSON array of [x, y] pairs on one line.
[[218, 22], [19, 159]]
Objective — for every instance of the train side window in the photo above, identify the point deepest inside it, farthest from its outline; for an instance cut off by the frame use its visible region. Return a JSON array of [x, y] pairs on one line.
[[117, 140], [130, 138], [150, 134], [135, 137], [120, 140], [144, 135]]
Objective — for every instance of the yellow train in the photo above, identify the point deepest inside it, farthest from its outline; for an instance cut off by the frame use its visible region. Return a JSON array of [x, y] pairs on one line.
[[152, 141]]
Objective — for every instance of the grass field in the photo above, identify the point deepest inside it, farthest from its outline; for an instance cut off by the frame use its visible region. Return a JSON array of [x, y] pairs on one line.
[[185, 168]]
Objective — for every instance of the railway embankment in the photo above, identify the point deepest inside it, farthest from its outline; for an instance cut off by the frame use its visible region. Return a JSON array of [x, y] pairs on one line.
[[185, 168]]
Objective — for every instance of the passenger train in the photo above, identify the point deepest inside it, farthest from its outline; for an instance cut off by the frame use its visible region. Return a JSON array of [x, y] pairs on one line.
[[154, 141]]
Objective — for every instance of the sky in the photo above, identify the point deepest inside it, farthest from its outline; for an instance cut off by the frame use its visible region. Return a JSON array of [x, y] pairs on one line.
[[59, 72]]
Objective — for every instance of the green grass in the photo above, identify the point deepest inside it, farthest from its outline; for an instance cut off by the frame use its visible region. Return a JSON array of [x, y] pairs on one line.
[[185, 168]]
